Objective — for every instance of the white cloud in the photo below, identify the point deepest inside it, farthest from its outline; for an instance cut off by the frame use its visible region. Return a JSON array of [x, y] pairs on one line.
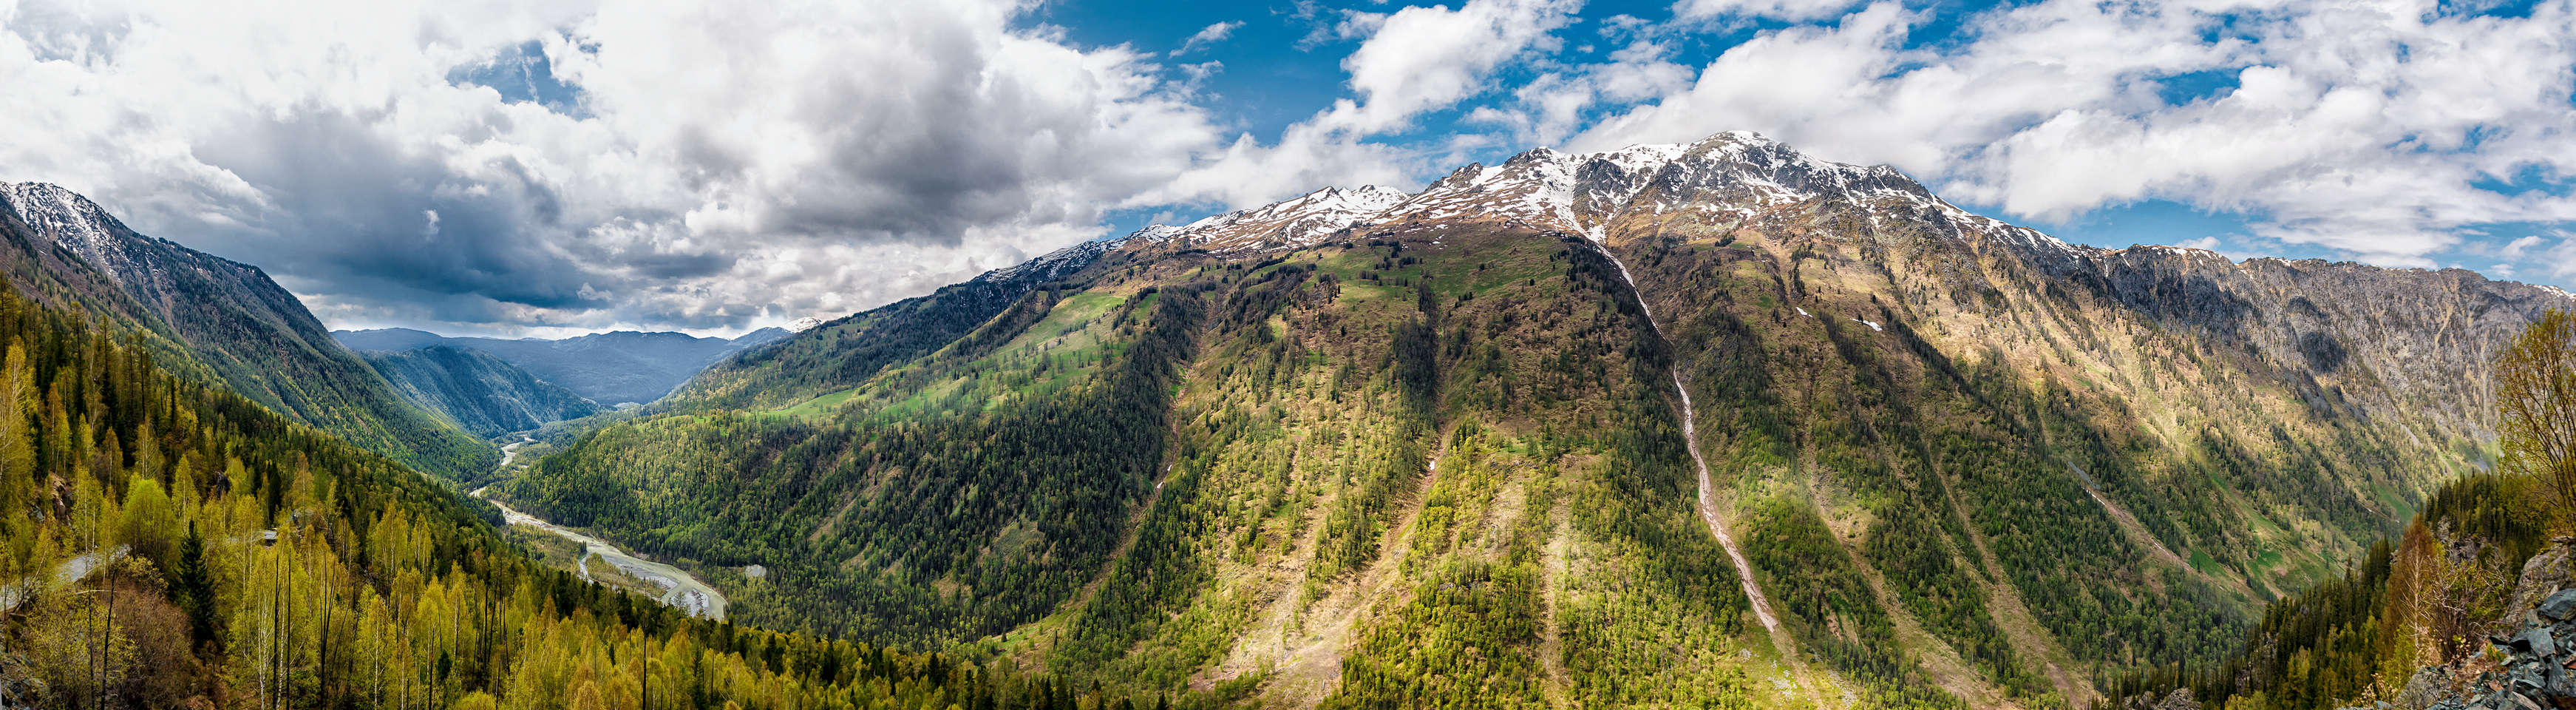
[[1427, 58], [1209, 35], [2552, 255], [1307, 156], [1548, 108], [1791, 10], [2516, 248], [1414, 60], [720, 160], [714, 166]]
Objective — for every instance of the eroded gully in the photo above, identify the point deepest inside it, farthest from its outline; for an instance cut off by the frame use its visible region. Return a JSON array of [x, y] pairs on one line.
[[1707, 488]]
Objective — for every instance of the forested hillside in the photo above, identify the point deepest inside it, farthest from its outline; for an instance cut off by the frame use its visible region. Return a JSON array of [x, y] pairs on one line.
[[2436, 615], [217, 322], [484, 394], [1449, 452], [166, 544]]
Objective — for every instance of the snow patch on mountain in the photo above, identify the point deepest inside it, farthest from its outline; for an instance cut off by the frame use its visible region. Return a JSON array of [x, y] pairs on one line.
[[1055, 264], [72, 221], [1297, 222], [1727, 178]]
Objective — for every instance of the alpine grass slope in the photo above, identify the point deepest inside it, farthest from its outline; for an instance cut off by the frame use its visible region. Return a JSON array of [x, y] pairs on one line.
[[1479, 446]]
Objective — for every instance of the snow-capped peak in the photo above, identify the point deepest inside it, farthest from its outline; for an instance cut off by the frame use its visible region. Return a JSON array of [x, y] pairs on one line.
[[1725, 177], [71, 220], [804, 324], [1156, 232], [1295, 222], [1055, 264]]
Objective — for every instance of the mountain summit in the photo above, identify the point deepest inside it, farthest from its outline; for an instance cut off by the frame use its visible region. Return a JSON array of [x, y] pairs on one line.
[[1585, 193]]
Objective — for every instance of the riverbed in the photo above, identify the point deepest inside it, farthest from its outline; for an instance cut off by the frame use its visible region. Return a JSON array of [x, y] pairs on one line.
[[679, 588]]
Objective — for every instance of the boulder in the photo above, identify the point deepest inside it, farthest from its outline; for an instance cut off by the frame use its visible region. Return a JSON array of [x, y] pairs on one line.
[[2550, 574], [2558, 607], [2423, 688]]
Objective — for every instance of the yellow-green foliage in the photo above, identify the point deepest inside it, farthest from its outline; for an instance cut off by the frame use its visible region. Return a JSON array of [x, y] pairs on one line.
[[172, 545]]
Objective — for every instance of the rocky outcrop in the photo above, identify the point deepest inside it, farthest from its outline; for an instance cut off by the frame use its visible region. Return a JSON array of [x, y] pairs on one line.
[[2533, 663], [2539, 668]]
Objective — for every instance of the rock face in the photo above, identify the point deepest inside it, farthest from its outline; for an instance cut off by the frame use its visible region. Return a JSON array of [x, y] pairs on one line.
[[2395, 340], [2408, 344], [2533, 660]]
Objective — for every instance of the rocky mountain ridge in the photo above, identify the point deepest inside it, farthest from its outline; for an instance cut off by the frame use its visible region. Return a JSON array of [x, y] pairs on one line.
[[2283, 307]]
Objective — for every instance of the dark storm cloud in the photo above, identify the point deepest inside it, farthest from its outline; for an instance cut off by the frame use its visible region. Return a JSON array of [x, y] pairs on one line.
[[348, 213]]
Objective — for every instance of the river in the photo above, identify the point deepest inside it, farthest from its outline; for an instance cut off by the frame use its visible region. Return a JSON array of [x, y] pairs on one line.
[[679, 588]]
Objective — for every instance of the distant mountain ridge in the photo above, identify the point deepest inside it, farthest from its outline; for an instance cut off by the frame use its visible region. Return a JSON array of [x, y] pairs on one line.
[[482, 393], [217, 321], [608, 368]]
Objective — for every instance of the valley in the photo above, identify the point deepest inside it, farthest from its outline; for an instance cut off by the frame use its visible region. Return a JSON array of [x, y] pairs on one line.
[[668, 585], [661, 582]]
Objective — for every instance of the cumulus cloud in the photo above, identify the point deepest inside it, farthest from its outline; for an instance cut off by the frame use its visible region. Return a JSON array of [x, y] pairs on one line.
[[1425, 58], [1551, 106], [718, 165], [2554, 254], [1409, 62], [487, 166]]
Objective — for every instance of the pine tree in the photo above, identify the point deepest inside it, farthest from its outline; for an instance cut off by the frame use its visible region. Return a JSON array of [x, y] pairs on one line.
[[193, 588]]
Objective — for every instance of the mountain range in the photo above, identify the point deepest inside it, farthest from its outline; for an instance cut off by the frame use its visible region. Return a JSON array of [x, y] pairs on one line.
[[1669, 425], [481, 393], [215, 321], [610, 368]]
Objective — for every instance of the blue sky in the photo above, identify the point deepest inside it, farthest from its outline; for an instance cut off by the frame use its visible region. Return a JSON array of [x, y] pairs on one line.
[[550, 167]]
